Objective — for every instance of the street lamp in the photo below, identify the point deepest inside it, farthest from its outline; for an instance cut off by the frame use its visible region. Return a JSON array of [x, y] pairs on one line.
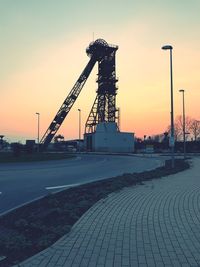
[[38, 130], [79, 130], [169, 47], [184, 144]]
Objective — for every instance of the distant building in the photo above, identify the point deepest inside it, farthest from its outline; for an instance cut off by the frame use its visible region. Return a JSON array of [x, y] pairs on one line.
[[1, 141], [30, 146], [107, 138]]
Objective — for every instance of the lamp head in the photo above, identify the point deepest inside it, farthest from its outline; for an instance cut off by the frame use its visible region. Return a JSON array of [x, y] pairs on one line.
[[37, 113], [182, 90], [79, 109], [167, 47]]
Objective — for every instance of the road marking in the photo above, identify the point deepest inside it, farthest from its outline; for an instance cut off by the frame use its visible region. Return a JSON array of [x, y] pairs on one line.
[[60, 186], [2, 257]]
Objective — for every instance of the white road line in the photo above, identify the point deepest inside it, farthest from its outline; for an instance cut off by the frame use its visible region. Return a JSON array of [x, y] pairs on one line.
[[2, 257], [60, 186]]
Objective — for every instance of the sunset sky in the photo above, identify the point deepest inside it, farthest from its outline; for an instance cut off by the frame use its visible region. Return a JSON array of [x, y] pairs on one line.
[[42, 53]]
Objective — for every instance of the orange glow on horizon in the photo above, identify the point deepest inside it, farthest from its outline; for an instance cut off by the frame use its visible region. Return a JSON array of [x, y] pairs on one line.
[[46, 78]]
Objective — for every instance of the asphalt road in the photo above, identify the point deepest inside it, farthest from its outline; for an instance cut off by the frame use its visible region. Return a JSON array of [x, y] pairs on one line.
[[23, 182]]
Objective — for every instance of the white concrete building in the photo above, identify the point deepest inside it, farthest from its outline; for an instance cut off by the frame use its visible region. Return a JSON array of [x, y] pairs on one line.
[[108, 138]]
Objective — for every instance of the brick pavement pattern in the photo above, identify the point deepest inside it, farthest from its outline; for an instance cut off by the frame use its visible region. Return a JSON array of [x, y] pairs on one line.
[[155, 224]]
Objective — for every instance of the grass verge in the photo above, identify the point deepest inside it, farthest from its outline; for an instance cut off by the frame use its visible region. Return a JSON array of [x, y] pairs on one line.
[[34, 227], [8, 157]]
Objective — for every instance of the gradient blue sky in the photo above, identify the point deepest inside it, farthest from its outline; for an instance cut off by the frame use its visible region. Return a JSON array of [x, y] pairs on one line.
[[42, 51]]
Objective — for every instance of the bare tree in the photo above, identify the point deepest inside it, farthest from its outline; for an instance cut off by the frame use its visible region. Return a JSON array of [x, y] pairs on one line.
[[178, 127], [177, 131], [195, 129]]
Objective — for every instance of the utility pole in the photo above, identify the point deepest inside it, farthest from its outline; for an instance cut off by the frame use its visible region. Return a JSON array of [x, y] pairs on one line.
[[184, 144], [38, 131], [172, 140], [79, 130]]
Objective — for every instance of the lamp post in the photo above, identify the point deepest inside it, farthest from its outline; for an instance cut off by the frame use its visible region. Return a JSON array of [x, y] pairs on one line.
[[172, 141], [184, 144], [38, 130], [79, 128]]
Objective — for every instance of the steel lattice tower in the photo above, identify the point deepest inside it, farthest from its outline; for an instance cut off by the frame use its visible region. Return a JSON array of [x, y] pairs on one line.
[[104, 107]]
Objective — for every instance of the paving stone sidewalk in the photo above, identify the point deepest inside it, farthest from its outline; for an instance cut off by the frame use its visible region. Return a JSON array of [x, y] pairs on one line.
[[155, 224]]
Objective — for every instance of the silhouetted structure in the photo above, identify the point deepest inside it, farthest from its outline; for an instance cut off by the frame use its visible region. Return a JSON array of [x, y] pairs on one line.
[[1, 141], [104, 107]]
